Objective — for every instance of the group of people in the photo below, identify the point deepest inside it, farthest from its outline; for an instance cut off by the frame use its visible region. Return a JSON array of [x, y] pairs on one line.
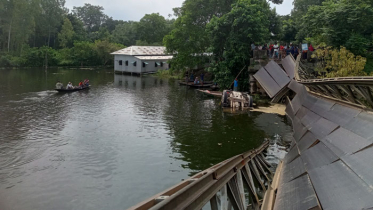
[[280, 51], [196, 80], [70, 86]]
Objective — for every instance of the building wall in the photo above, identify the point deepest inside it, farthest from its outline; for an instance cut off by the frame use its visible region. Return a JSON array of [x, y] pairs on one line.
[[150, 67], [130, 67]]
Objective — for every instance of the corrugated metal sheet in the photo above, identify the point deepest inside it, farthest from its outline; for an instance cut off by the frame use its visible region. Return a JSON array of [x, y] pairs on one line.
[[293, 170], [317, 156], [299, 129], [302, 112], [322, 127], [267, 82], [339, 188], [361, 126], [293, 153], [141, 50], [309, 118], [296, 87], [306, 141], [329, 137], [309, 101], [295, 195], [340, 114], [296, 103], [277, 74], [289, 66], [362, 164], [347, 141], [167, 57], [322, 106]]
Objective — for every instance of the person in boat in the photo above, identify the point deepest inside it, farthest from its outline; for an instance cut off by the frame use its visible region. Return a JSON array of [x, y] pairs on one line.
[[69, 86], [59, 85], [202, 78], [86, 82], [81, 84], [191, 77], [196, 81]]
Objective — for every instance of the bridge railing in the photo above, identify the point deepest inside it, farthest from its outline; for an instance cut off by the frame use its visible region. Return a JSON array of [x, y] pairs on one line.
[[231, 183], [355, 91]]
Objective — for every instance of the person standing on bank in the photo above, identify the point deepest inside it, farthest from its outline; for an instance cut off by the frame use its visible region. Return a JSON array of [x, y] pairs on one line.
[[235, 86], [202, 77]]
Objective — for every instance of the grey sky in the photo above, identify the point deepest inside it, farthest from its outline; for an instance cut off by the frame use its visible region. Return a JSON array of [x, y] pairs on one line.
[[136, 9]]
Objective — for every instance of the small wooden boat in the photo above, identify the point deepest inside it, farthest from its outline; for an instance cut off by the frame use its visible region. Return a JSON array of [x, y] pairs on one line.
[[192, 85], [212, 93], [72, 90]]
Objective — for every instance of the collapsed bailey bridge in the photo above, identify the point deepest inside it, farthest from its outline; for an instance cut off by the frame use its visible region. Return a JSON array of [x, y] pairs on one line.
[[329, 164]]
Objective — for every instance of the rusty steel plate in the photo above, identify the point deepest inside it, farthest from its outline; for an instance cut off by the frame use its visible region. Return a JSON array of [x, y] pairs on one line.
[[317, 156], [338, 187], [296, 194], [347, 141], [267, 82], [277, 74]]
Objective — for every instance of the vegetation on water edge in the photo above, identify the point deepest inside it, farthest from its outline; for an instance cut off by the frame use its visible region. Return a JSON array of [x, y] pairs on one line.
[[45, 33], [169, 74], [213, 36]]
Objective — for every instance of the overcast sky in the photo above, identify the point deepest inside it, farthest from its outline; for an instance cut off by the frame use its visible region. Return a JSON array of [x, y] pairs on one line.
[[136, 9]]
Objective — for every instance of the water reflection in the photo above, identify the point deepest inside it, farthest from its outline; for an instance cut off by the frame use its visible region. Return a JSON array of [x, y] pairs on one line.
[[122, 141]]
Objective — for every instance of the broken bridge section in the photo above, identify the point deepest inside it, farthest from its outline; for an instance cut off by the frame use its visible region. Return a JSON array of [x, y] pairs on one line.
[[329, 165], [274, 80]]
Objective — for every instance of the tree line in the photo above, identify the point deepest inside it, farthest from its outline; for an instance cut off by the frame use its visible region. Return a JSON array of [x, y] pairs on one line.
[[46, 33], [227, 28]]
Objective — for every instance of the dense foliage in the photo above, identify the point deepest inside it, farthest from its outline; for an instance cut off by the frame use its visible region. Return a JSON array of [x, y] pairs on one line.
[[45, 33], [221, 32], [336, 23], [231, 36], [339, 62]]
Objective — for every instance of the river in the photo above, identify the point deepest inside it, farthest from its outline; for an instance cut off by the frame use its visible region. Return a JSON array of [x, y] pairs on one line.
[[110, 147]]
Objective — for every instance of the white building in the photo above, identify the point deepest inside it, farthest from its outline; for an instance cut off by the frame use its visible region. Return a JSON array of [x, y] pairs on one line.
[[141, 59]]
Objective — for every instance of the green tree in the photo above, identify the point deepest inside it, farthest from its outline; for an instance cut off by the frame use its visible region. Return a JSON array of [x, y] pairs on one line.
[[66, 34], [85, 53], [125, 33], [152, 28], [104, 48], [189, 37], [231, 36], [92, 16]]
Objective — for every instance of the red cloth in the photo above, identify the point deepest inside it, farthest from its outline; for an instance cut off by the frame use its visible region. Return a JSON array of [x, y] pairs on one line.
[[311, 48], [80, 83], [281, 47]]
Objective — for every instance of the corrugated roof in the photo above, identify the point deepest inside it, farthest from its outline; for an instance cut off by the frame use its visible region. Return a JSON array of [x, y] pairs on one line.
[[141, 50], [166, 57]]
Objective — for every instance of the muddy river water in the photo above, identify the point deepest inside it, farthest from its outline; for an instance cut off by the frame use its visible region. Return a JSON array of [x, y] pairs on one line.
[[114, 145]]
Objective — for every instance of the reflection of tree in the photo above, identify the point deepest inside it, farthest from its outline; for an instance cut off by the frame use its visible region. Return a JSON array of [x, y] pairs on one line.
[[198, 125]]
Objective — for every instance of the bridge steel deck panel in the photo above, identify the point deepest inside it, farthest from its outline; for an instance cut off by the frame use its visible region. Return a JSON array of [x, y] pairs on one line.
[[339, 188]]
